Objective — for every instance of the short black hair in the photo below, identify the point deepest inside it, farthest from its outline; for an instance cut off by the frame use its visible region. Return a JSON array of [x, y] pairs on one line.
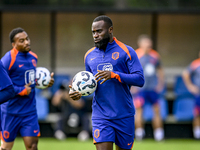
[[14, 32], [105, 19]]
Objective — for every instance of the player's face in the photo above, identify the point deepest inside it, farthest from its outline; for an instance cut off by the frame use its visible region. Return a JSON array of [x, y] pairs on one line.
[[146, 45], [101, 34], [22, 42]]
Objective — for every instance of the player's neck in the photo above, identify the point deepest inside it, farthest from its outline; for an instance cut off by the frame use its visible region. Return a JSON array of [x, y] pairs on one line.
[[111, 39]]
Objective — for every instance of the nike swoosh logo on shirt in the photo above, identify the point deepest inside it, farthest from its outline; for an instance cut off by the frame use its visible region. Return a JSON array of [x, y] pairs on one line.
[[93, 58], [21, 65]]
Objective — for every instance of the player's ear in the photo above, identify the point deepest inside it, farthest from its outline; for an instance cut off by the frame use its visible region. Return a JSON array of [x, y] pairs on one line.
[[110, 30], [13, 44]]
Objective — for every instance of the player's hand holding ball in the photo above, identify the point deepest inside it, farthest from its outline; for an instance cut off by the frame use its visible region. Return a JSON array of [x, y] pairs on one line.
[[83, 84], [75, 95], [51, 82]]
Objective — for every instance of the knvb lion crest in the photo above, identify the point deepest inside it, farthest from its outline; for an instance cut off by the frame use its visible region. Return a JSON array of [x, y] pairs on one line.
[[34, 62], [115, 55]]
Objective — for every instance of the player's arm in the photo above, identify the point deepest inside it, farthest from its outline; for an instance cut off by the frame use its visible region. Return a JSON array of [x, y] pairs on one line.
[[190, 86], [19, 90], [7, 94], [161, 79], [22, 90], [135, 77], [75, 95], [7, 89]]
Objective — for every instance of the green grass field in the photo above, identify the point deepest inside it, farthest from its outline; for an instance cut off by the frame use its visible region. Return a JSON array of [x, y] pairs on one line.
[[147, 144]]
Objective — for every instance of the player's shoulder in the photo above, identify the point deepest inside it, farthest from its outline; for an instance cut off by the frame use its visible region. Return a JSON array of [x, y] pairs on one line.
[[1, 63], [129, 48], [154, 54], [126, 48], [195, 63], [139, 52], [121, 44], [89, 52], [7, 56], [33, 54]]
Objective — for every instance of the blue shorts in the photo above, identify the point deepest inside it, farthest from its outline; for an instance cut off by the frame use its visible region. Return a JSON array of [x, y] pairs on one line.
[[143, 97], [119, 131], [197, 100], [25, 125]]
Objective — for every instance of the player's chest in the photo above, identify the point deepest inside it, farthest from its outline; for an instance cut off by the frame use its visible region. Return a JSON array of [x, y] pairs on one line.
[[197, 71], [106, 60], [146, 60], [24, 64]]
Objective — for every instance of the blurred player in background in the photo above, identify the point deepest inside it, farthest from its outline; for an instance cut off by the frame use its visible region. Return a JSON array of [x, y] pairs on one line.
[[6, 88], [154, 84], [73, 113], [116, 67], [19, 113], [191, 77]]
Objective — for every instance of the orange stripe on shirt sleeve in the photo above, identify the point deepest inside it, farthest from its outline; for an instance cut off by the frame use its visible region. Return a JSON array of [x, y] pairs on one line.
[[154, 54], [123, 47], [114, 75], [23, 92], [89, 52], [33, 54], [13, 54], [139, 52]]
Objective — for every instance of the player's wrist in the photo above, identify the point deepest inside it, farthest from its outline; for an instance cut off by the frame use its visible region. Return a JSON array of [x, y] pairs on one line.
[[23, 92]]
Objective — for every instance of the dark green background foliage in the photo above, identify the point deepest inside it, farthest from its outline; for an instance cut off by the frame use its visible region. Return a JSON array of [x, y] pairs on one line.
[[175, 4]]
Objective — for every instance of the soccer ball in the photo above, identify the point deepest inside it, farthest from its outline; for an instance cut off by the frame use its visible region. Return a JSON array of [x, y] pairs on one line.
[[84, 82], [42, 77]]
